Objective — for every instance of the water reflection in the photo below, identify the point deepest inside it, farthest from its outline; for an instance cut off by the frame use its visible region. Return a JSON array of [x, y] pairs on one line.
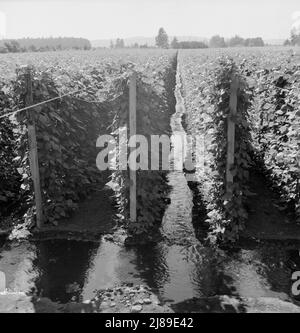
[[62, 270], [62, 267]]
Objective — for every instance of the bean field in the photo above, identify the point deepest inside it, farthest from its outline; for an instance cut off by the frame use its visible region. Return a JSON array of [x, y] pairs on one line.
[[235, 213]]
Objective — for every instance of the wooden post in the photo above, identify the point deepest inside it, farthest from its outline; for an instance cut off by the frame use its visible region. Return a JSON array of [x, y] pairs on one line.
[[2, 282], [132, 131], [33, 154], [231, 133]]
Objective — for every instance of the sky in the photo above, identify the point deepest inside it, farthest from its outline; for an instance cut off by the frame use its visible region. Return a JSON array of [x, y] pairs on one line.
[[108, 19]]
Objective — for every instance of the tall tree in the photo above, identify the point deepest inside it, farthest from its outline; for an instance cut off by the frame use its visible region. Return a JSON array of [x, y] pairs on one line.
[[217, 41], [162, 39]]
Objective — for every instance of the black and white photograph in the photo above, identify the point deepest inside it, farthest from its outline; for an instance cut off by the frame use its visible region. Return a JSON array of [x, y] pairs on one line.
[[149, 159]]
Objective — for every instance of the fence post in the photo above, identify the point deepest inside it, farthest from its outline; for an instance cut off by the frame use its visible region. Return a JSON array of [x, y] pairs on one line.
[[132, 131], [231, 133], [33, 154], [2, 282]]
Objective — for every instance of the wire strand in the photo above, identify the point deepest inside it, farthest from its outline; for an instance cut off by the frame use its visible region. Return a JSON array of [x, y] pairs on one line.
[[41, 103]]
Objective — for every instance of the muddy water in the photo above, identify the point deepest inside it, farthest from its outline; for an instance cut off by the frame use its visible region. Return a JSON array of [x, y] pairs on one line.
[[177, 269]]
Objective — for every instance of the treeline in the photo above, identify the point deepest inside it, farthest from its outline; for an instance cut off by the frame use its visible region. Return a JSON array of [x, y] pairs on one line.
[[120, 44], [44, 44], [162, 41], [187, 44], [218, 41]]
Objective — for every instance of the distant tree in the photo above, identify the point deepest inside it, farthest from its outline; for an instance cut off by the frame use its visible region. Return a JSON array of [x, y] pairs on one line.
[[144, 46], [119, 43], [111, 45], [32, 48], [162, 39], [15, 46], [174, 43], [136, 45], [258, 41], [236, 41], [12, 46], [217, 41], [287, 42]]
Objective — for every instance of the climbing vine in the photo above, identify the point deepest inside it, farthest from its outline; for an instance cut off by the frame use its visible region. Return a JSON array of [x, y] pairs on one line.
[[155, 104], [67, 131], [10, 179], [207, 101], [276, 129]]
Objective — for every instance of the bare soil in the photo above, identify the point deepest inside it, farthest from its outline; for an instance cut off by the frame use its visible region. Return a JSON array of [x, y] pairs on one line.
[[20, 303]]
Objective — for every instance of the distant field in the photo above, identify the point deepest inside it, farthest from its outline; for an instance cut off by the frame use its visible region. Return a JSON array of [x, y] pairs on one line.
[[81, 60], [78, 60]]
